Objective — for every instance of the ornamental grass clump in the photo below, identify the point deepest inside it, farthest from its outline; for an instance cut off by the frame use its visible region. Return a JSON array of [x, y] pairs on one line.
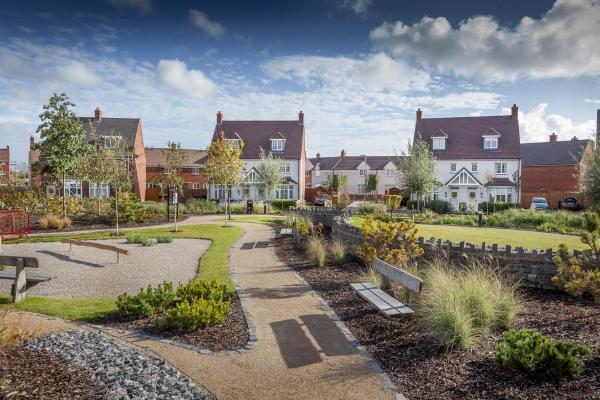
[[317, 251], [460, 305], [531, 352], [338, 251]]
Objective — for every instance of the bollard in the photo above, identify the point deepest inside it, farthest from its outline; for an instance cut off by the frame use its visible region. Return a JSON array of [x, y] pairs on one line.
[[480, 218]]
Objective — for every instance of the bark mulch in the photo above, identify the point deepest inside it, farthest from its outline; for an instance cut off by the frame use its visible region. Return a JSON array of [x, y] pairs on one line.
[[422, 371], [232, 334], [35, 374]]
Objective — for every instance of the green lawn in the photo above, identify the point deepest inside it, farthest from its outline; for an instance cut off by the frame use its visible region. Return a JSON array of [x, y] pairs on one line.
[[212, 265], [258, 218], [476, 235]]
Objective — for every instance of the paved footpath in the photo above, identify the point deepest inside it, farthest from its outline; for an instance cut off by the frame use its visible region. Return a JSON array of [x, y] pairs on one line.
[[300, 353]]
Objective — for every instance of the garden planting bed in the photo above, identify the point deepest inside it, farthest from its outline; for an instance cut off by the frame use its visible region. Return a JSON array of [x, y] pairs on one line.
[[231, 334], [79, 226], [421, 370]]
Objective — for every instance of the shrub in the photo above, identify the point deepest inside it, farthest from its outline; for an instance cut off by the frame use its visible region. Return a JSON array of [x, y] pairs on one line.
[[439, 206], [201, 206], [13, 334], [282, 205], [67, 222], [201, 289], [132, 307], [316, 251], [147, 242], [370, 208], [43, 223], [371, 276], [193, 315], [53, 221], [338, 251], [164, 239], [531, 352], [496, 207], [458, 306], [135, 239], [395, 243]]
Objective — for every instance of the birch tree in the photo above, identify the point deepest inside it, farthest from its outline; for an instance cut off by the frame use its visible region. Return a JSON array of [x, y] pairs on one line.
[[417, 171], [270, 174]]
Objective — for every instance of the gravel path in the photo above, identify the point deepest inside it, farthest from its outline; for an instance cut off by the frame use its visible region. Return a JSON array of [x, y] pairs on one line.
[[126, 372], [88, 272]]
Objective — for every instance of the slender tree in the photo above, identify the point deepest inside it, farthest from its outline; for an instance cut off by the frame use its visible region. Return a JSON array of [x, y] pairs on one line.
[[337, 183], [517, 181], [62, 141], [174, 157], [270, 173], [224, 164], [371, 183], [590, 180], [417, 171], [119, 160]]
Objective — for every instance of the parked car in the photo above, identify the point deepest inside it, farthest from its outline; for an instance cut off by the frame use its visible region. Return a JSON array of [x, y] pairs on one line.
[[570, 203], [539, 203], [323, 200]]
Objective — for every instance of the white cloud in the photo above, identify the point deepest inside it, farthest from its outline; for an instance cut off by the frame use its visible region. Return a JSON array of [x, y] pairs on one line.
[[78, 73], [593, 101], [144, 6], [377, 72], [200, 20], [175, 75], [562, 43], [536, 126], [359, 7]]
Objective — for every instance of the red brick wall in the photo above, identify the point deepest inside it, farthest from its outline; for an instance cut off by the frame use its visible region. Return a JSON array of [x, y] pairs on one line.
[[5, 158], [188, 178], [559, 178]]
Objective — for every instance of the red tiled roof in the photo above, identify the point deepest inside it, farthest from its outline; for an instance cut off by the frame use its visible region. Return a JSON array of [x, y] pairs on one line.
[[194, 158], [465, 136], [257, 134]]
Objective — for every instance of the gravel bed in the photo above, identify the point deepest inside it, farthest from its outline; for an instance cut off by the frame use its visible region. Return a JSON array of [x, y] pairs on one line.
[[420, 370], [89, 272], [126, 372]]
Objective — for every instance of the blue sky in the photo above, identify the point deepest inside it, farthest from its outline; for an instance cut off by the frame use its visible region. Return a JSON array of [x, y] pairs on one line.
[[357, 68]]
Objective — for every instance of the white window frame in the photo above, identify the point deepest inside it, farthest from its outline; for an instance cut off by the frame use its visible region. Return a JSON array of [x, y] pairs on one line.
[[390, 172], [196, 186], [167, 171], [73, 188], [453, 167], [277, 144], [98, 189], [438, 143], [501, 168], [317, 172], [286, 168], [195, 170], [363, 172], [490, 142], [150, 185], [474, 167], [50, 190], [236, 142], [284, 192], [362, 188]]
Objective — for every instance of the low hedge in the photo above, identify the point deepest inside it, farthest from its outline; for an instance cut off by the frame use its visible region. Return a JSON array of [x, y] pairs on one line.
[[496, 207]]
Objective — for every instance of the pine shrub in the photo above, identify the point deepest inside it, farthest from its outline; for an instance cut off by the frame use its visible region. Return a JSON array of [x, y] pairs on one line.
[[193, 315], [164, 239], [531, 352]]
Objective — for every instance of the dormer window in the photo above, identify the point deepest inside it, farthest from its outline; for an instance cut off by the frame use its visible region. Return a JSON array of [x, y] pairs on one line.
[[277, 144], [490, 143], [439, 143], [109, 141], [236, 142]]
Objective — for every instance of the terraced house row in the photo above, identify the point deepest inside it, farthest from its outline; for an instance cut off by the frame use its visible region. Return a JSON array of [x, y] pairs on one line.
[[479, 159]]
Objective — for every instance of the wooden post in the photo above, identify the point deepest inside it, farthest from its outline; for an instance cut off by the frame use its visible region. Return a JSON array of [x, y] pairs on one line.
[[20, 286], [508, 250], [483, 248], [495, 249]]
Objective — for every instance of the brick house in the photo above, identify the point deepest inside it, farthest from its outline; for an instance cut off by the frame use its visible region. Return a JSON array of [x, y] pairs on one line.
[[285, 140], [193, 173], [109, 129], [476, 157], [4, 165], [356, 169]]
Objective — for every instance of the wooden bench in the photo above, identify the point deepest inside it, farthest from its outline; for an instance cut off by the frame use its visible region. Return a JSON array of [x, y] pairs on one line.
[[100, 246], [383, 301], [22, 280]]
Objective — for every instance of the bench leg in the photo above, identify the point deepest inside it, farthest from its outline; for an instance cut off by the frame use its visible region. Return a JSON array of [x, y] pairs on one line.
[[20, 286]]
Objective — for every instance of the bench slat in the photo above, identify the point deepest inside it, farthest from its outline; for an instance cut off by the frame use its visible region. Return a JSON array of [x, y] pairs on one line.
[[29, 277], [29, 262], [407, 280], [97, 246], [386, 304]]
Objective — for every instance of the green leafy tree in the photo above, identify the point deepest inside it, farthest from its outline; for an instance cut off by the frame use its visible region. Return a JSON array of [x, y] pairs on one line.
[[174, 157], [120, 162], [490, 178], [417, 171], [224, 164], [590, 181], [371, 183], [62, 141], [517, 181], [337, 183], [270, 174]]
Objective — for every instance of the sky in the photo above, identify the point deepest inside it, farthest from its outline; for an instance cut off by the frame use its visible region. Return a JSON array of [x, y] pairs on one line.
[[358, 69]]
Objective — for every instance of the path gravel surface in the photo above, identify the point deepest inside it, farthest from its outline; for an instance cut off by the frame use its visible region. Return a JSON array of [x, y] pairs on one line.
[[89, 272]]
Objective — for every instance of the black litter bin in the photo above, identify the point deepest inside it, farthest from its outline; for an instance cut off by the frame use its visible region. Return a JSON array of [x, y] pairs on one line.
[[249, 207]]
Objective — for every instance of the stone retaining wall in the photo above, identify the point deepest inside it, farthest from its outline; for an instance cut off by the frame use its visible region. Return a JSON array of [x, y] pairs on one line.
[[532, 268]]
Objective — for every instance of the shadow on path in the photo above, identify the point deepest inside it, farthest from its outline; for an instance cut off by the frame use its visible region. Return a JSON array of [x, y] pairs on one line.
[[285, 292], [66, 258]]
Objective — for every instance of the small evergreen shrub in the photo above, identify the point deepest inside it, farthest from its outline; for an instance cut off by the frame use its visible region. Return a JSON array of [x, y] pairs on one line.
[[496, 207], [281, 205], [201, 206], [201, 289], [135, 239], [164, 239], [133, 307], [338, 251], [317, 251], [531, 352], [193, 315], [439, 206], [371, 208], [147, 242]]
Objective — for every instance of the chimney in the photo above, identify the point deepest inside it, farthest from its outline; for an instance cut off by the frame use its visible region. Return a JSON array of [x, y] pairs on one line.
[[419, 114], [31, 140], [343, 153], [574, 138], [318, 156], [514, 111], [98, 114], [301, 118], [553, 138], [219, 118]]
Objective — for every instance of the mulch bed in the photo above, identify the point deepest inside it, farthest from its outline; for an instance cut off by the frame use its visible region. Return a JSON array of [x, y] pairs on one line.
[[35, 374], [79, 226], [418, 367], [232, 334]]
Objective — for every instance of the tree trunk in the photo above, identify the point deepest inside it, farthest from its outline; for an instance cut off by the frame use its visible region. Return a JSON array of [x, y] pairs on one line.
[[226, 203], [117, 209], [64, 185]]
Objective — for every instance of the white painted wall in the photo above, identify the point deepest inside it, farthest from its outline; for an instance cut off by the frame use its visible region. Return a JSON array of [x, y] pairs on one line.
[[355, 179]]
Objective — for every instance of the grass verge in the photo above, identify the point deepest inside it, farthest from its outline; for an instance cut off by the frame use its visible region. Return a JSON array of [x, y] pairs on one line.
[[212, 265]]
